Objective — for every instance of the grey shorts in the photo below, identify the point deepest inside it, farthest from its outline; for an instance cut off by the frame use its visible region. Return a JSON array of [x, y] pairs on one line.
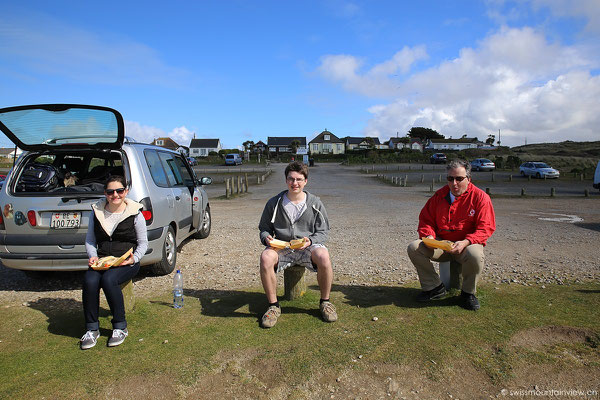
[[289, 257]]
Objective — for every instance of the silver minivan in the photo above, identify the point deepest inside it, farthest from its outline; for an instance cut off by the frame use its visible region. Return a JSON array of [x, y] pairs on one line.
[[69, 152]]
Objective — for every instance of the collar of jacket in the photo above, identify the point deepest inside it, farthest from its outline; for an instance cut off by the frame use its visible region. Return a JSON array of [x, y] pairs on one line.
[[131, 208]]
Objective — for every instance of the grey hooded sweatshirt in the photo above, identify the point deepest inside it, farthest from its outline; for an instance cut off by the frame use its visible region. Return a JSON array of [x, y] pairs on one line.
[[313, 223]]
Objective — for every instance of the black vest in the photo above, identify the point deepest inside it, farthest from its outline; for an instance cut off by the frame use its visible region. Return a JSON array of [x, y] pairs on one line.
[[123, 238]]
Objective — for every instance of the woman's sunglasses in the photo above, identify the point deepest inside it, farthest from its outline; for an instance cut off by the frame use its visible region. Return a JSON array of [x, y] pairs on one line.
[[111, 191]]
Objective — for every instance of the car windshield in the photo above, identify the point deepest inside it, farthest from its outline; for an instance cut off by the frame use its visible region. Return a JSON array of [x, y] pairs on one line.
[[62, 126], [485, 160], [541, 165]]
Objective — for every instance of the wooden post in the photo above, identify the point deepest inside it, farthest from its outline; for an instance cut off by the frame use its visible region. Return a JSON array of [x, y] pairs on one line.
[[246, 183], [440, 178], [405, 180], [552, 192], [293, 282], [493, 180], [510, 178], [487, 190], [455, 275], [522, 191], [128, 295], [586, 193], [422, 178], [237, 189], [227, 189]]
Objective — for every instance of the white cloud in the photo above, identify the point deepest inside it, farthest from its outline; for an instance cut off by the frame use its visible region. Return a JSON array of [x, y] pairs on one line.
[[146, 134], [514, 80], [181, 135], [588, 9], [43, 45], [142, 133], [378, 81]]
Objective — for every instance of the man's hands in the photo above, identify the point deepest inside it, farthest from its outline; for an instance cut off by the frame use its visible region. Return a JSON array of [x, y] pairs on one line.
[[307, 242], [459, 246], [268, 240], [92, 260]]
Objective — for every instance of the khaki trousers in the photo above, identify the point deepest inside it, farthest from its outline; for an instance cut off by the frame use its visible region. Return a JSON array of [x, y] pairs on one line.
[[471, 260]]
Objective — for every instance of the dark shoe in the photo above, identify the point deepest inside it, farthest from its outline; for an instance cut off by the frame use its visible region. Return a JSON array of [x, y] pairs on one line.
[[469, 300], [432, 294], [89, 339], [118, 336]]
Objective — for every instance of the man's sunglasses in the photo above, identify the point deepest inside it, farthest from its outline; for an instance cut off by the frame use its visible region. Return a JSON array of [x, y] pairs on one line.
[[456, 178], [111, 191]]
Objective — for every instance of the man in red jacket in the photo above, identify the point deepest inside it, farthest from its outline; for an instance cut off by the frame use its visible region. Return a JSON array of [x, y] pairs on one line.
[[462, 213]]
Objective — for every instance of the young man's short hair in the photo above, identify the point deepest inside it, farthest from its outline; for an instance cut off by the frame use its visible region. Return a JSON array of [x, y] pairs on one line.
[[296, 166]]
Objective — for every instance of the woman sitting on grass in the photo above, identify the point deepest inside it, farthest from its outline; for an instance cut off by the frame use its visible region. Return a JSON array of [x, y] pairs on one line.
[[117, 225]]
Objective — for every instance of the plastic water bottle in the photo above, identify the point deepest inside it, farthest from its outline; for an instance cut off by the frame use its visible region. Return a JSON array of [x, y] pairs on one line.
[[178, 290]]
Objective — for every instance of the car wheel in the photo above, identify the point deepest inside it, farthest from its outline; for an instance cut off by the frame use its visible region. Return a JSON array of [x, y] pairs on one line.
[[523, 173], [205, 225], [538, 175], [169, 255]]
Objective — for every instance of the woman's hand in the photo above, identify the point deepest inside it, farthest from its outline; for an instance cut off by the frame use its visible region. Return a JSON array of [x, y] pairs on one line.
[[128, 261], [92, 260]]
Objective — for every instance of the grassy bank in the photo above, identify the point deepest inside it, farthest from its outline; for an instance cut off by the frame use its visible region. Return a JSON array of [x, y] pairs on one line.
[[214, 346]]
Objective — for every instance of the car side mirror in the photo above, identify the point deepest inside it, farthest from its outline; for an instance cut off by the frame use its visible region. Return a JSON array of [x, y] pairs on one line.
[[205, 181]]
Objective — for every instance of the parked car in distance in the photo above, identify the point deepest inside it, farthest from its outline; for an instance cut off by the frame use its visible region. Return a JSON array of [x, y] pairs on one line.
[[68, 153], [192, 161], [438, 158], [482, 164], [233, 159], [538, 170]]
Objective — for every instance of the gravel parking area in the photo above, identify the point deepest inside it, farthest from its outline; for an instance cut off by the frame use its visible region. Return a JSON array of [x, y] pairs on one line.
[[538, 241]]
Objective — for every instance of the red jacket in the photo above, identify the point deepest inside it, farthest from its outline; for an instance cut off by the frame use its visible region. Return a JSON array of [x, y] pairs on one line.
[[471, 216]]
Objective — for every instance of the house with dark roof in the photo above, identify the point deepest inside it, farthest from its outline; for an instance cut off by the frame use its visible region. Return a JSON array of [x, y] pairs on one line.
[[405, 143], [326, 143], [9, 152], [361, 143], [203, 147], [281, 144], [170, 144], [259, 147], [454, 144]]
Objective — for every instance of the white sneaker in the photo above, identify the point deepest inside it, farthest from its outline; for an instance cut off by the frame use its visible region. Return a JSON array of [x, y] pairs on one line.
[[89, 339], [118, 336]]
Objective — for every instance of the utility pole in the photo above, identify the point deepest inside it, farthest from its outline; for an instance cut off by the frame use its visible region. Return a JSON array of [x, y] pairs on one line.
[[499, 142]]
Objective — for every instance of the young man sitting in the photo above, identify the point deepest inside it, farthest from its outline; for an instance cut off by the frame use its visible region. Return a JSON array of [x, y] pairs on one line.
[[295, 214]]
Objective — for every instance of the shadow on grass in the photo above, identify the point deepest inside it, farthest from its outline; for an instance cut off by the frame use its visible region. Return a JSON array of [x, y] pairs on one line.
[[588, 291], [229, 303], [65, 316], [400, 296]]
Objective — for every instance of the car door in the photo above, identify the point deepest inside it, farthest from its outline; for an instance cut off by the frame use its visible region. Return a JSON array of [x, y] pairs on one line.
[[172, 164]]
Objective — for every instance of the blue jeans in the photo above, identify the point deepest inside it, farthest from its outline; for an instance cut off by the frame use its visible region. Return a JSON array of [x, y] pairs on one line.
[[110, 281]]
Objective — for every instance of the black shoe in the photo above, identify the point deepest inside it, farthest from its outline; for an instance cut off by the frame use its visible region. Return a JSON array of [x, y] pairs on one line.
[[469, 300], [432, 294]]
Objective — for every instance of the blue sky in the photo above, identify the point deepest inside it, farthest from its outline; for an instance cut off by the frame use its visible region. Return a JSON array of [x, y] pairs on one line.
[[241, 70]]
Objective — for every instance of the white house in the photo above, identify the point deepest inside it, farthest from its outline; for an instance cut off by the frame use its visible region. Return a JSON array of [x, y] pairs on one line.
[[203, 147], [453, 144]]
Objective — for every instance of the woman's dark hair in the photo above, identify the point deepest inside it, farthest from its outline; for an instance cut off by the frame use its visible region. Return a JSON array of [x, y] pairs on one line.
[[297, 167], [115, 178]]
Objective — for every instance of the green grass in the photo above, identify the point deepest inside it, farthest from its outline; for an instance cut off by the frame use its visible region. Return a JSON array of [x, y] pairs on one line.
[[219, 331]]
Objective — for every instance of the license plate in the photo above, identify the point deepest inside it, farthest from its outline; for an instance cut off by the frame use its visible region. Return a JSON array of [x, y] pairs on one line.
[[65, 220]]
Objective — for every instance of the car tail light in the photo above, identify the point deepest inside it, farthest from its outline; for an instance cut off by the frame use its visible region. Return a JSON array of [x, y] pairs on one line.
[[147, 210], [31, 218]]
